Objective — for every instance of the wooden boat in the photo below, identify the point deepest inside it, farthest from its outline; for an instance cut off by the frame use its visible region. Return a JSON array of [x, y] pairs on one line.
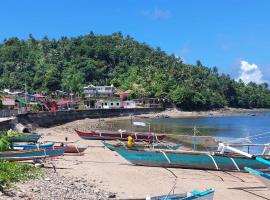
[[205, 195], [25, 138], [32, 146], [20, 155], [70, 148], [110, 135], [139, 146], [190, 159]]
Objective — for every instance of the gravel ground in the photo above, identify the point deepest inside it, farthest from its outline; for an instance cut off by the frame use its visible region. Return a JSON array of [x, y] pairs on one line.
[[53, 186]]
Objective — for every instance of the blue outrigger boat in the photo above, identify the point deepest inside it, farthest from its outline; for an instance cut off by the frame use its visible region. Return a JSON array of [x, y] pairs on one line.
[[20, 155], [218, 160], [19, 146], [205, 195]]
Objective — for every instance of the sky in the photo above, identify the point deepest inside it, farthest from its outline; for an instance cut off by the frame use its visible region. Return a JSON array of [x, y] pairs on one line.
[[233, 35]]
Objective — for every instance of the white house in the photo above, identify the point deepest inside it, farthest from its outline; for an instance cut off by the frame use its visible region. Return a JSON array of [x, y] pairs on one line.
[[128, 104], [108, 103], [98, 91]]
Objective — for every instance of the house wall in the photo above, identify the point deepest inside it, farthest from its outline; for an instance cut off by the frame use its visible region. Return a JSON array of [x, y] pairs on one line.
[[108, 104], [99, 91]]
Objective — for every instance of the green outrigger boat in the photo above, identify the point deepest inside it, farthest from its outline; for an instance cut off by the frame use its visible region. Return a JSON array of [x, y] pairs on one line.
[[140, 146], [25, 138], [216, 160]]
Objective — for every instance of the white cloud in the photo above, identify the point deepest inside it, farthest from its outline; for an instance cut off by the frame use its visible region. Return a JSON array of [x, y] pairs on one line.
[[157, 14], [250, 73]]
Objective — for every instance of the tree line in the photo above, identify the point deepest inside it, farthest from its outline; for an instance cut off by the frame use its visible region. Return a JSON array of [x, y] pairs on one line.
[[69, 64]]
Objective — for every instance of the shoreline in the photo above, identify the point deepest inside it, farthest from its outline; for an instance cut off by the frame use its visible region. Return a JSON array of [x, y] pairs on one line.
[[175, 113], [100, 170]]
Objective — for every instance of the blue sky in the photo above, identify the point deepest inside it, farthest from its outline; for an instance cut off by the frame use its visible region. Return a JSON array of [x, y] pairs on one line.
[[231, 34]]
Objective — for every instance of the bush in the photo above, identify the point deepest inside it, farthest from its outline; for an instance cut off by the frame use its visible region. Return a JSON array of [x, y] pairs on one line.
[[12, 172]]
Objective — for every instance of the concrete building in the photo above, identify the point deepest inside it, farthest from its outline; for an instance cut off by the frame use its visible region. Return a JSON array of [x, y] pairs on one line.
[[98, 91], [108, 103]]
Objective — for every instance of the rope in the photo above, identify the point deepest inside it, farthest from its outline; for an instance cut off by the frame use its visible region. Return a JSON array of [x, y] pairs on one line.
[[251, 137]]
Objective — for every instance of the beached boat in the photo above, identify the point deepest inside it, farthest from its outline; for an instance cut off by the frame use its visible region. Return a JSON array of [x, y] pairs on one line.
[[190, 159], [25, 138], [32, 146], [19, 155], [114, 135], [138, 146], [195, 194], [70, 148]]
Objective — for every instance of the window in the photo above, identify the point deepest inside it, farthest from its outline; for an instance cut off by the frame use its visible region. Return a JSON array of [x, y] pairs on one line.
[[105, 104]]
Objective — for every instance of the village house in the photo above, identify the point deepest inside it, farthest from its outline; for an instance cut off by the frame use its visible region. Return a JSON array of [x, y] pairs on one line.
[[108, 103], [98, 91], [128, 104], [148, 102]]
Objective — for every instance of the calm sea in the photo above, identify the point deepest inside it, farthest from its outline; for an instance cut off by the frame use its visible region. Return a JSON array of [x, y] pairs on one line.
[[226, 128]]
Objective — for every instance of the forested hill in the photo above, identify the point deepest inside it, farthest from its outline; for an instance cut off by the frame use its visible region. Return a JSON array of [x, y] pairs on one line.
[[70, 63]]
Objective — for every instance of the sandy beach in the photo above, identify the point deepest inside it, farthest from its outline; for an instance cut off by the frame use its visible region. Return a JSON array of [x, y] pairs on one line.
[[114, 174]]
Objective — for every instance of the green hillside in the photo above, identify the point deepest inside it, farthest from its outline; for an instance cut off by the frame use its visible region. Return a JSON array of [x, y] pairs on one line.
[[70, 63]]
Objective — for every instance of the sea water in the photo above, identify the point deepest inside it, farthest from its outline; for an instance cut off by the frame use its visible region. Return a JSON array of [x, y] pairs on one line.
[[245, 128]]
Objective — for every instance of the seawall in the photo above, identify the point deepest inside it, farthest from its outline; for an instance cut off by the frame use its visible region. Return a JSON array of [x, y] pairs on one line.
[[47, 119]]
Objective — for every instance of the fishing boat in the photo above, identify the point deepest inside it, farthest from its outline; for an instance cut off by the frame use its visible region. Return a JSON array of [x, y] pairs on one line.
[[138, 146], [25, 138], [20, 146], [70, 148], [195, 194], [114, 135], [19, 155], [216, 160]]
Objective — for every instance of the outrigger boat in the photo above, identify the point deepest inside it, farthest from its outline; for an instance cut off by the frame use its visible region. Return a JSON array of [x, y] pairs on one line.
[[216, 160], [19, 146], [114, 135], [20, 155], [195, 194], [25, 138], [138, 146], [70, 148]]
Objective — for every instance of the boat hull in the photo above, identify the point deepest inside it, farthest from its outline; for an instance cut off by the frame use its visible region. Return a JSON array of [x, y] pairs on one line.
[[28, 138], [140, 146], [205, 195], [30, 155], [93, 135], [32, 146], [71, 148], [191, 160]]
